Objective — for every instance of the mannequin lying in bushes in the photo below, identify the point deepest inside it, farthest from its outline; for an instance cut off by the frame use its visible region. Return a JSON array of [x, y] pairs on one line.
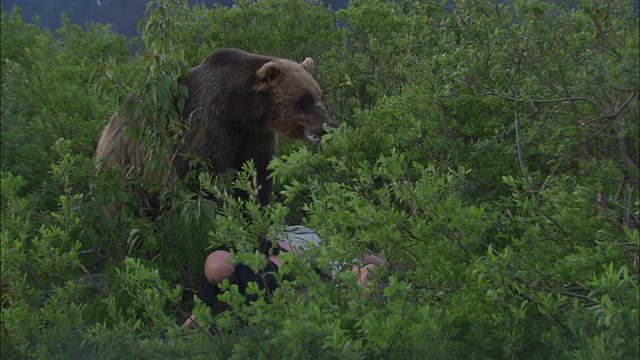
[[220, 265]]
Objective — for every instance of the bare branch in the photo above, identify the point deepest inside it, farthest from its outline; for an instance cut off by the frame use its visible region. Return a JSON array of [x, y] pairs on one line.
[[611, 118]]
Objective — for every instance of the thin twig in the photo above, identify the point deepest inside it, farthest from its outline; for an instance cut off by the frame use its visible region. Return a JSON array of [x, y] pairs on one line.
[[556, 291]]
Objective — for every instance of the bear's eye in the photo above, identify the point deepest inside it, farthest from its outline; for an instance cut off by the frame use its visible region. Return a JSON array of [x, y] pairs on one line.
[[306, 103]]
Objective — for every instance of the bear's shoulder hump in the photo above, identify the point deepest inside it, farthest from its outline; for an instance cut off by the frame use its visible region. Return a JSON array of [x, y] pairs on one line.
[[235, 58]]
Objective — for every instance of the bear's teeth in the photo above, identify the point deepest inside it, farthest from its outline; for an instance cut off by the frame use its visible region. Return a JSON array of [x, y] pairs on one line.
[[314, 139]]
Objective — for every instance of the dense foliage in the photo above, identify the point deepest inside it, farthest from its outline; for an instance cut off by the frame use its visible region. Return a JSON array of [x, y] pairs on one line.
[[489, 150]]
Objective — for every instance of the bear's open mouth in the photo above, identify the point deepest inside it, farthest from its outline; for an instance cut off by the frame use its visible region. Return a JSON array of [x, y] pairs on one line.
[[311, 137]]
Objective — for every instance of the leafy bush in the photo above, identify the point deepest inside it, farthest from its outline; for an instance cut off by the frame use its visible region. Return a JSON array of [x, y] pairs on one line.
[[488, 150]]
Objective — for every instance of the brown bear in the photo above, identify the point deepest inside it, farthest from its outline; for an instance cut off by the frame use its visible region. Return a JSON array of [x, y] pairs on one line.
[[237, 105]]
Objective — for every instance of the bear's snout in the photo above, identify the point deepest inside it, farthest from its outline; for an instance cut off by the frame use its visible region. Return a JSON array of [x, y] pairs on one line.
[[313, 135]]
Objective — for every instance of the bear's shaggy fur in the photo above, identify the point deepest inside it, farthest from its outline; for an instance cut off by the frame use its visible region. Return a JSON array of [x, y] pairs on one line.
[[237, 104]]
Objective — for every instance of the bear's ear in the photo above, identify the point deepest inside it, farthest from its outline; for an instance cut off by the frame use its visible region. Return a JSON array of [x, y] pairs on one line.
[[268, 73], [307, 64]]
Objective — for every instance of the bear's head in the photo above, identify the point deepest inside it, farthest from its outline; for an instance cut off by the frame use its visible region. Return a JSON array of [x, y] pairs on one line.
[[297, 111]]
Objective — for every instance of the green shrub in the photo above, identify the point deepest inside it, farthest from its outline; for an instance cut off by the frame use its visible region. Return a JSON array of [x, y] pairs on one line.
[[488, 150]]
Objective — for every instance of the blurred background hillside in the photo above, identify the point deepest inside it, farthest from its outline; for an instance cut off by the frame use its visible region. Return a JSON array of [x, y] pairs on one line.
[[123, 15]]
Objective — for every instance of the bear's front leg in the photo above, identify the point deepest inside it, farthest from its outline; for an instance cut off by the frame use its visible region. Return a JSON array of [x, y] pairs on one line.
[[261, 152]]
